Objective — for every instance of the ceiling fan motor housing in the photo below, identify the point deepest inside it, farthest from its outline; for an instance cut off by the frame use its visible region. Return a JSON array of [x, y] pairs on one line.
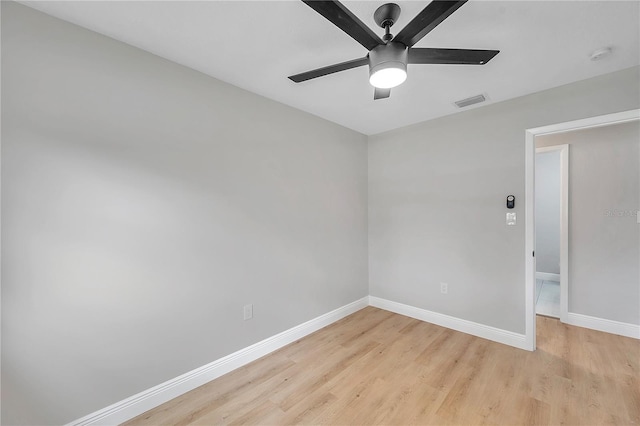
[[391, 55]]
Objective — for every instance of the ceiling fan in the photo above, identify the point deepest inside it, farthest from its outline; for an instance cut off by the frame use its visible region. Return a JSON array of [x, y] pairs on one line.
[[388, 57]]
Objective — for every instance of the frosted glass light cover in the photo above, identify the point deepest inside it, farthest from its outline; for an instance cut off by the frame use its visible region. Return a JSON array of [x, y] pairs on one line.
[[386, 78]]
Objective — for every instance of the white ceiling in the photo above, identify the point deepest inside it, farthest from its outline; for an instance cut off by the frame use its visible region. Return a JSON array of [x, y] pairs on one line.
[[255, 45]]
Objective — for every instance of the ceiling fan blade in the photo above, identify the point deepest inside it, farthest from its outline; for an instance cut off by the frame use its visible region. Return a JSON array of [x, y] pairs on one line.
[[450, 56], [381, 93], [429, 18], [342, 66], [342, 18]]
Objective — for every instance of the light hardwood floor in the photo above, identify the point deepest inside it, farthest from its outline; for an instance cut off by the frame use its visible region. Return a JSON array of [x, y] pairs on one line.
[[377, 367]]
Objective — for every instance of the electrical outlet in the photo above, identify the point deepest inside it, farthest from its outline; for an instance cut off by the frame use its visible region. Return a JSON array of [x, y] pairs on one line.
[[444, 288], [248, 311]]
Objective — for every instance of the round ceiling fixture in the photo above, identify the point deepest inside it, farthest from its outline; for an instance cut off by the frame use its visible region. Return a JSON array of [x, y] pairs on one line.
[[388, 65], [600, 53]]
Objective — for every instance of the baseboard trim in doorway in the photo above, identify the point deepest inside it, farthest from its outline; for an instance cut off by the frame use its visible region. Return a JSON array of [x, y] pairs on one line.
[[547, 276], [480, 330], [601, 324], [151, 398]]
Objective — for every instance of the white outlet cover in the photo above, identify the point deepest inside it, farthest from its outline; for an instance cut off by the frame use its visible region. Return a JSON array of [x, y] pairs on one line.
[[511, 219], [248, 312]]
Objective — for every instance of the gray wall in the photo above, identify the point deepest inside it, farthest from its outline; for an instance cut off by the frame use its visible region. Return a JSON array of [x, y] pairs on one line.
[[437, 201], [143, 204], [548, 212], [604, 236]]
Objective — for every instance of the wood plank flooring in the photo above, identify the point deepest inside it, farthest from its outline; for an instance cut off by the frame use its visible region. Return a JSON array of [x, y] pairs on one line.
[[376, 367]]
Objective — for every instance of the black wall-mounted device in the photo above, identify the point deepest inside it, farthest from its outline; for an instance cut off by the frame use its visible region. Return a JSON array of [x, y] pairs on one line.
[[511, 201]]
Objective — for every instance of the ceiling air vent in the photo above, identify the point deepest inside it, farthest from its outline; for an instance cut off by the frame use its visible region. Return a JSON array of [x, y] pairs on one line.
[[470, 101]]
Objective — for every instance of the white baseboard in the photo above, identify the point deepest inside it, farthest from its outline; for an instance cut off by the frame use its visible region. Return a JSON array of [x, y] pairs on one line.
[[547, 276], [480, 330], [601, 324], [137, 404]]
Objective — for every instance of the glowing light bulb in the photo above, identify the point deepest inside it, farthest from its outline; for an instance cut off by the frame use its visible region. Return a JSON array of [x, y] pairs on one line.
[[388, 77]]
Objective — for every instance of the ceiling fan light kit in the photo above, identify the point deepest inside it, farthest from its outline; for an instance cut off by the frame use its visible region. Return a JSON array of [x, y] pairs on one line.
[[388, 56], [388, 65]]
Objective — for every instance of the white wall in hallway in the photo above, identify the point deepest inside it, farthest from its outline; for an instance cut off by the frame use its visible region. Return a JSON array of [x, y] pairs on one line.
[[548, 212]]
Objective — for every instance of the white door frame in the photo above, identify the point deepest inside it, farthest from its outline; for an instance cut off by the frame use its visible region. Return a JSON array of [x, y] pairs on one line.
[[529, 244], [564, 226]]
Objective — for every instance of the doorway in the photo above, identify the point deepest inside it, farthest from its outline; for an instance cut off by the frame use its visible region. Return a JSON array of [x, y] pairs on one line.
[[530, 259], [552, 230]]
